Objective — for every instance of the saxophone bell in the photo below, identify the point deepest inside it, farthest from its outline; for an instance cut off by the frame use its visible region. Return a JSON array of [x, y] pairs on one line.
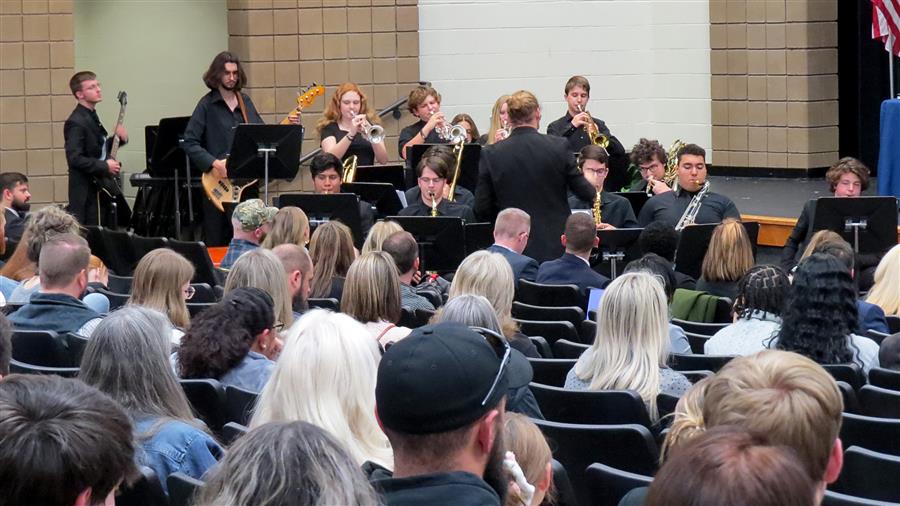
[[434, 209]]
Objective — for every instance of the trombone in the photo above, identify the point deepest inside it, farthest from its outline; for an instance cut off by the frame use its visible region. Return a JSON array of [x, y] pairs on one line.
[[457, 137]]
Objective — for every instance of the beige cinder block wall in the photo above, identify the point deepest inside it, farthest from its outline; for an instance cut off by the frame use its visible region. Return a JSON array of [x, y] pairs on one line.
[[774, 84]]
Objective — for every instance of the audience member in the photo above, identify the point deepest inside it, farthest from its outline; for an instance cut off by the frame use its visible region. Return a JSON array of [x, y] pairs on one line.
[[476, 311], [885, 293], [15, 198], [402, 247], [630, 349], [574, 267], [63, 276], [871, 317], [22, 266], [820, 237], [162, 281], [510, 238], [5, 345], [127, 359], [290, 226], [62, 443], [326, 376], [262, 269], [332, 253], [372, 296], [381, 230], [232, 341], [444, 451], [662, 239], [285, 463], [489, 275], [251, 221], [527, 446], [299, 270], [888, 353], [732, 466], [761, 300], [658, 266], [727, 259]]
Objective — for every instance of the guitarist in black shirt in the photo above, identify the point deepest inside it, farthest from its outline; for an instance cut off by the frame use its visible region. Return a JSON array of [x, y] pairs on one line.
[[87, 147]]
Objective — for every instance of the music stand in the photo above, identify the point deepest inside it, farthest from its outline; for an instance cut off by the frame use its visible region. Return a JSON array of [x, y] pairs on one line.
[[868, 223], [479, 236], [619, 245], [381, 196], [391, 173], [636, 199], [320, 208], [265, 152], [440, 238], [694, 242], [168, 159], [468, 175]]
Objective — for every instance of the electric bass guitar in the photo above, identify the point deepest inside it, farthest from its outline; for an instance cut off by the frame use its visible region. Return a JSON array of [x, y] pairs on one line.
[[221, 190], [111, 186]]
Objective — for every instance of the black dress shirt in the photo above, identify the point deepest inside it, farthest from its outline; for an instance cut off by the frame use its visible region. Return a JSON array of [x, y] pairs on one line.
[[359, 146], [462, 196], [210, 130], [669, 206], [578, 138], [413, 130], [614, 209], [444, 207]]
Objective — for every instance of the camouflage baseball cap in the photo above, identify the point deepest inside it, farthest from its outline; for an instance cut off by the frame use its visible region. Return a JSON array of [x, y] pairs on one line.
[[253, 214]]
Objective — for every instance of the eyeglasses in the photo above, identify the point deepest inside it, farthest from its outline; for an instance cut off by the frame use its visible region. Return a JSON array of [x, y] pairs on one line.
[[599, 172], [501, 347], [278, 327], [431, 180], [189, 292]]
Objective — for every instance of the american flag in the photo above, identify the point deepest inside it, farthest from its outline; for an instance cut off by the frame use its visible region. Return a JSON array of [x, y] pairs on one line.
[[886, 24]]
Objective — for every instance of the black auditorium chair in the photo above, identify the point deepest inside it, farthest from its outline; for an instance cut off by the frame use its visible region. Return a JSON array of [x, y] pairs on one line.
[[848, 394], [849, 373], [879, 402], [697, 342], [590, 406], [629, 447], [551, 331], [203, 294], [551, 371], [608, 485], [885, 378], [145, 491], [587, 331], [329, 304], [543, 347], [567, 349], [96, 243], [76, 345], [424, 315], [665, 404], [143, 245], [695, 376], [231, 431], [837, 499], [197, 254], [196, 308], [239, 404], [182, 489], [565, 496], [869, 474], [16, 367], [876, 336], [207, 398], [538, 294], [120, 251], [523, 311], [40, 347], [893, 323], [116, 300], [723, 310], [704, 329], [712, 363], [876, 434], [120, 284]]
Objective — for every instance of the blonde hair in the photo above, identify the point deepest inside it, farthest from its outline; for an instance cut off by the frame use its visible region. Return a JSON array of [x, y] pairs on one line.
[[495, 118], [372, 290], [326, 376], [379, 232], [158, 279], [290, 226], [632, 339], [332, 113], [822, 236], [260, 268], [527, 442], [730, 253], [687, 420], [522, 106], [332, 253], [489, 275], [885, 293]]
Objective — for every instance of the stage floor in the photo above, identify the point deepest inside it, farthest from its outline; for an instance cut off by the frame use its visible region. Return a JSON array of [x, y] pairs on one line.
[[775, 197]]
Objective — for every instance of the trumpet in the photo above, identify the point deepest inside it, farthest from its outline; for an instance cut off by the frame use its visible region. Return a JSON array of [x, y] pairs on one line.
[[593, 133], [505, 131], [372, 133], [454, 134]]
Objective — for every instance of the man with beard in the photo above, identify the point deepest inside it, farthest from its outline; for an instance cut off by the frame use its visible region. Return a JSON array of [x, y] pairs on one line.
[[251, 221], [298, 267], [440, 399], [15, 203]]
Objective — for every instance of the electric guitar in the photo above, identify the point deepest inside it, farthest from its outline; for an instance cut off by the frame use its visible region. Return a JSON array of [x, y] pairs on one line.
[[221, 190], [111, 186]]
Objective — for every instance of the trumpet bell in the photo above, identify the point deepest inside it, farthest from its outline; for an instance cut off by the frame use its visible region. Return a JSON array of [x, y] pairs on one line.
[[457, 134], [375, 134]]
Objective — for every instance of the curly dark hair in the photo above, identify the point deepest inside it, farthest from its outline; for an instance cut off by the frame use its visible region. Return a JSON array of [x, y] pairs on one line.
[[645, 150], [220, 337], [821, 312], [762, 288], [660, 238]]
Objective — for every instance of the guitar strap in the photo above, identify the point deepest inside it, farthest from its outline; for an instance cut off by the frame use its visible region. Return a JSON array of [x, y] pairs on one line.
[[240, 97]]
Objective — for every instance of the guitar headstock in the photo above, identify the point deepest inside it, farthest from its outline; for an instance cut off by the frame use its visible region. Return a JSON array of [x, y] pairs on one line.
[[309, 94], [123, 98]]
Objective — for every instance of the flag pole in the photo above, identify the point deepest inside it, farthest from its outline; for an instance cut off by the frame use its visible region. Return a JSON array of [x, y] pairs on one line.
[[891, 64]]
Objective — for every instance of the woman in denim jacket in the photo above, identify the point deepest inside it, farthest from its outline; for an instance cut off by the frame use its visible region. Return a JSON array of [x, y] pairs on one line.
[[127, 358]]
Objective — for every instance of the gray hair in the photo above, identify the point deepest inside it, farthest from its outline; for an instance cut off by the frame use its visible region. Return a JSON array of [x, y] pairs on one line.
[[469, 309]]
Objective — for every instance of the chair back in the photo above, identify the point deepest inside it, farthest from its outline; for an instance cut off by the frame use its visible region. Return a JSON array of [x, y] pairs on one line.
[[608, 485], [869, 474], [116, 300], [713, 363], [879, 402], [893, 323], [239, 404], [884, 378], [704, 329], [551, 331], [197, 254], [538, 294], [587, 331], [16, 367], [195, 308], [120, 284], [565, 496], [329, 304], [697, 342], [143, 245], [876, 336], [543, 347], [203, 294], [837, 499], [40, 347], [567, 349], [523, 311], [876, 434], [551, 371], [849, 373], [207, 398], [598, 407], [231, 431], [182, 489], [147, 490], [120, 252], [76, 345]]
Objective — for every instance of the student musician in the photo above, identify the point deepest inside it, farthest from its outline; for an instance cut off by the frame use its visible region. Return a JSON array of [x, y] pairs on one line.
[[433, 172], [345, 128], [460, 194], [650, 158], [325, 169], [611, 211]]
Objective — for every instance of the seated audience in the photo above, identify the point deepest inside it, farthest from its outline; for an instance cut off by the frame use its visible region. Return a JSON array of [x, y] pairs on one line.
[[327, 174], [662, 239], [489, 275], [127, 359], [402, 247], [630, 349], [63, 277], [262, 269], [871, 317], [5, 345], [284, 463], [819, 238], [528, 448], [251, 221], [476, 311], [443, 451], [372, 296], [511, 232], [381, 230], [820, 319], [15, 203], [885, 293], [332, 252], [888, 353], [728, 257], [761, 301], [62, 443], [615, 210], [299, 270], [727, 465], [162, 281], [232, 341], [290, 226], [659, 267], [326, 376], [435, 173], [574, 267]]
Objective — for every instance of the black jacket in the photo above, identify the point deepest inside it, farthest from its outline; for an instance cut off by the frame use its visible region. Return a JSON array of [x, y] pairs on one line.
[[455, 488], [85, 139], [534, 173], [15, 225], [614, 209], [209, 132]]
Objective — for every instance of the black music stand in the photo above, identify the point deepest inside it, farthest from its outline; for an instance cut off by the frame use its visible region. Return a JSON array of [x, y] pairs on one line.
[[468, 176], [479, 236], [694, 242], [265, 152], [868, 223], [636, 199], [381, 196], [442, 245], [320, 208], [169, 159], [619, 245], [390, 173]]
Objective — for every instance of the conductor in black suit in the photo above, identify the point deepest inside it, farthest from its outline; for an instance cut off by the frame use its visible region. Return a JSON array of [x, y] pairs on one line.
[[510, 238], [574, 268], [532, 172]]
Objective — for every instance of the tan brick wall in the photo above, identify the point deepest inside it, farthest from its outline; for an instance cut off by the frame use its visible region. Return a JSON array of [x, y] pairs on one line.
[[36, 60], [287, 44], [774, 83]]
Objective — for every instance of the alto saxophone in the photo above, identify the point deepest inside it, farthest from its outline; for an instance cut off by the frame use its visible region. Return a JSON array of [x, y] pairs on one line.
[[434, 209], [598, 214]]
